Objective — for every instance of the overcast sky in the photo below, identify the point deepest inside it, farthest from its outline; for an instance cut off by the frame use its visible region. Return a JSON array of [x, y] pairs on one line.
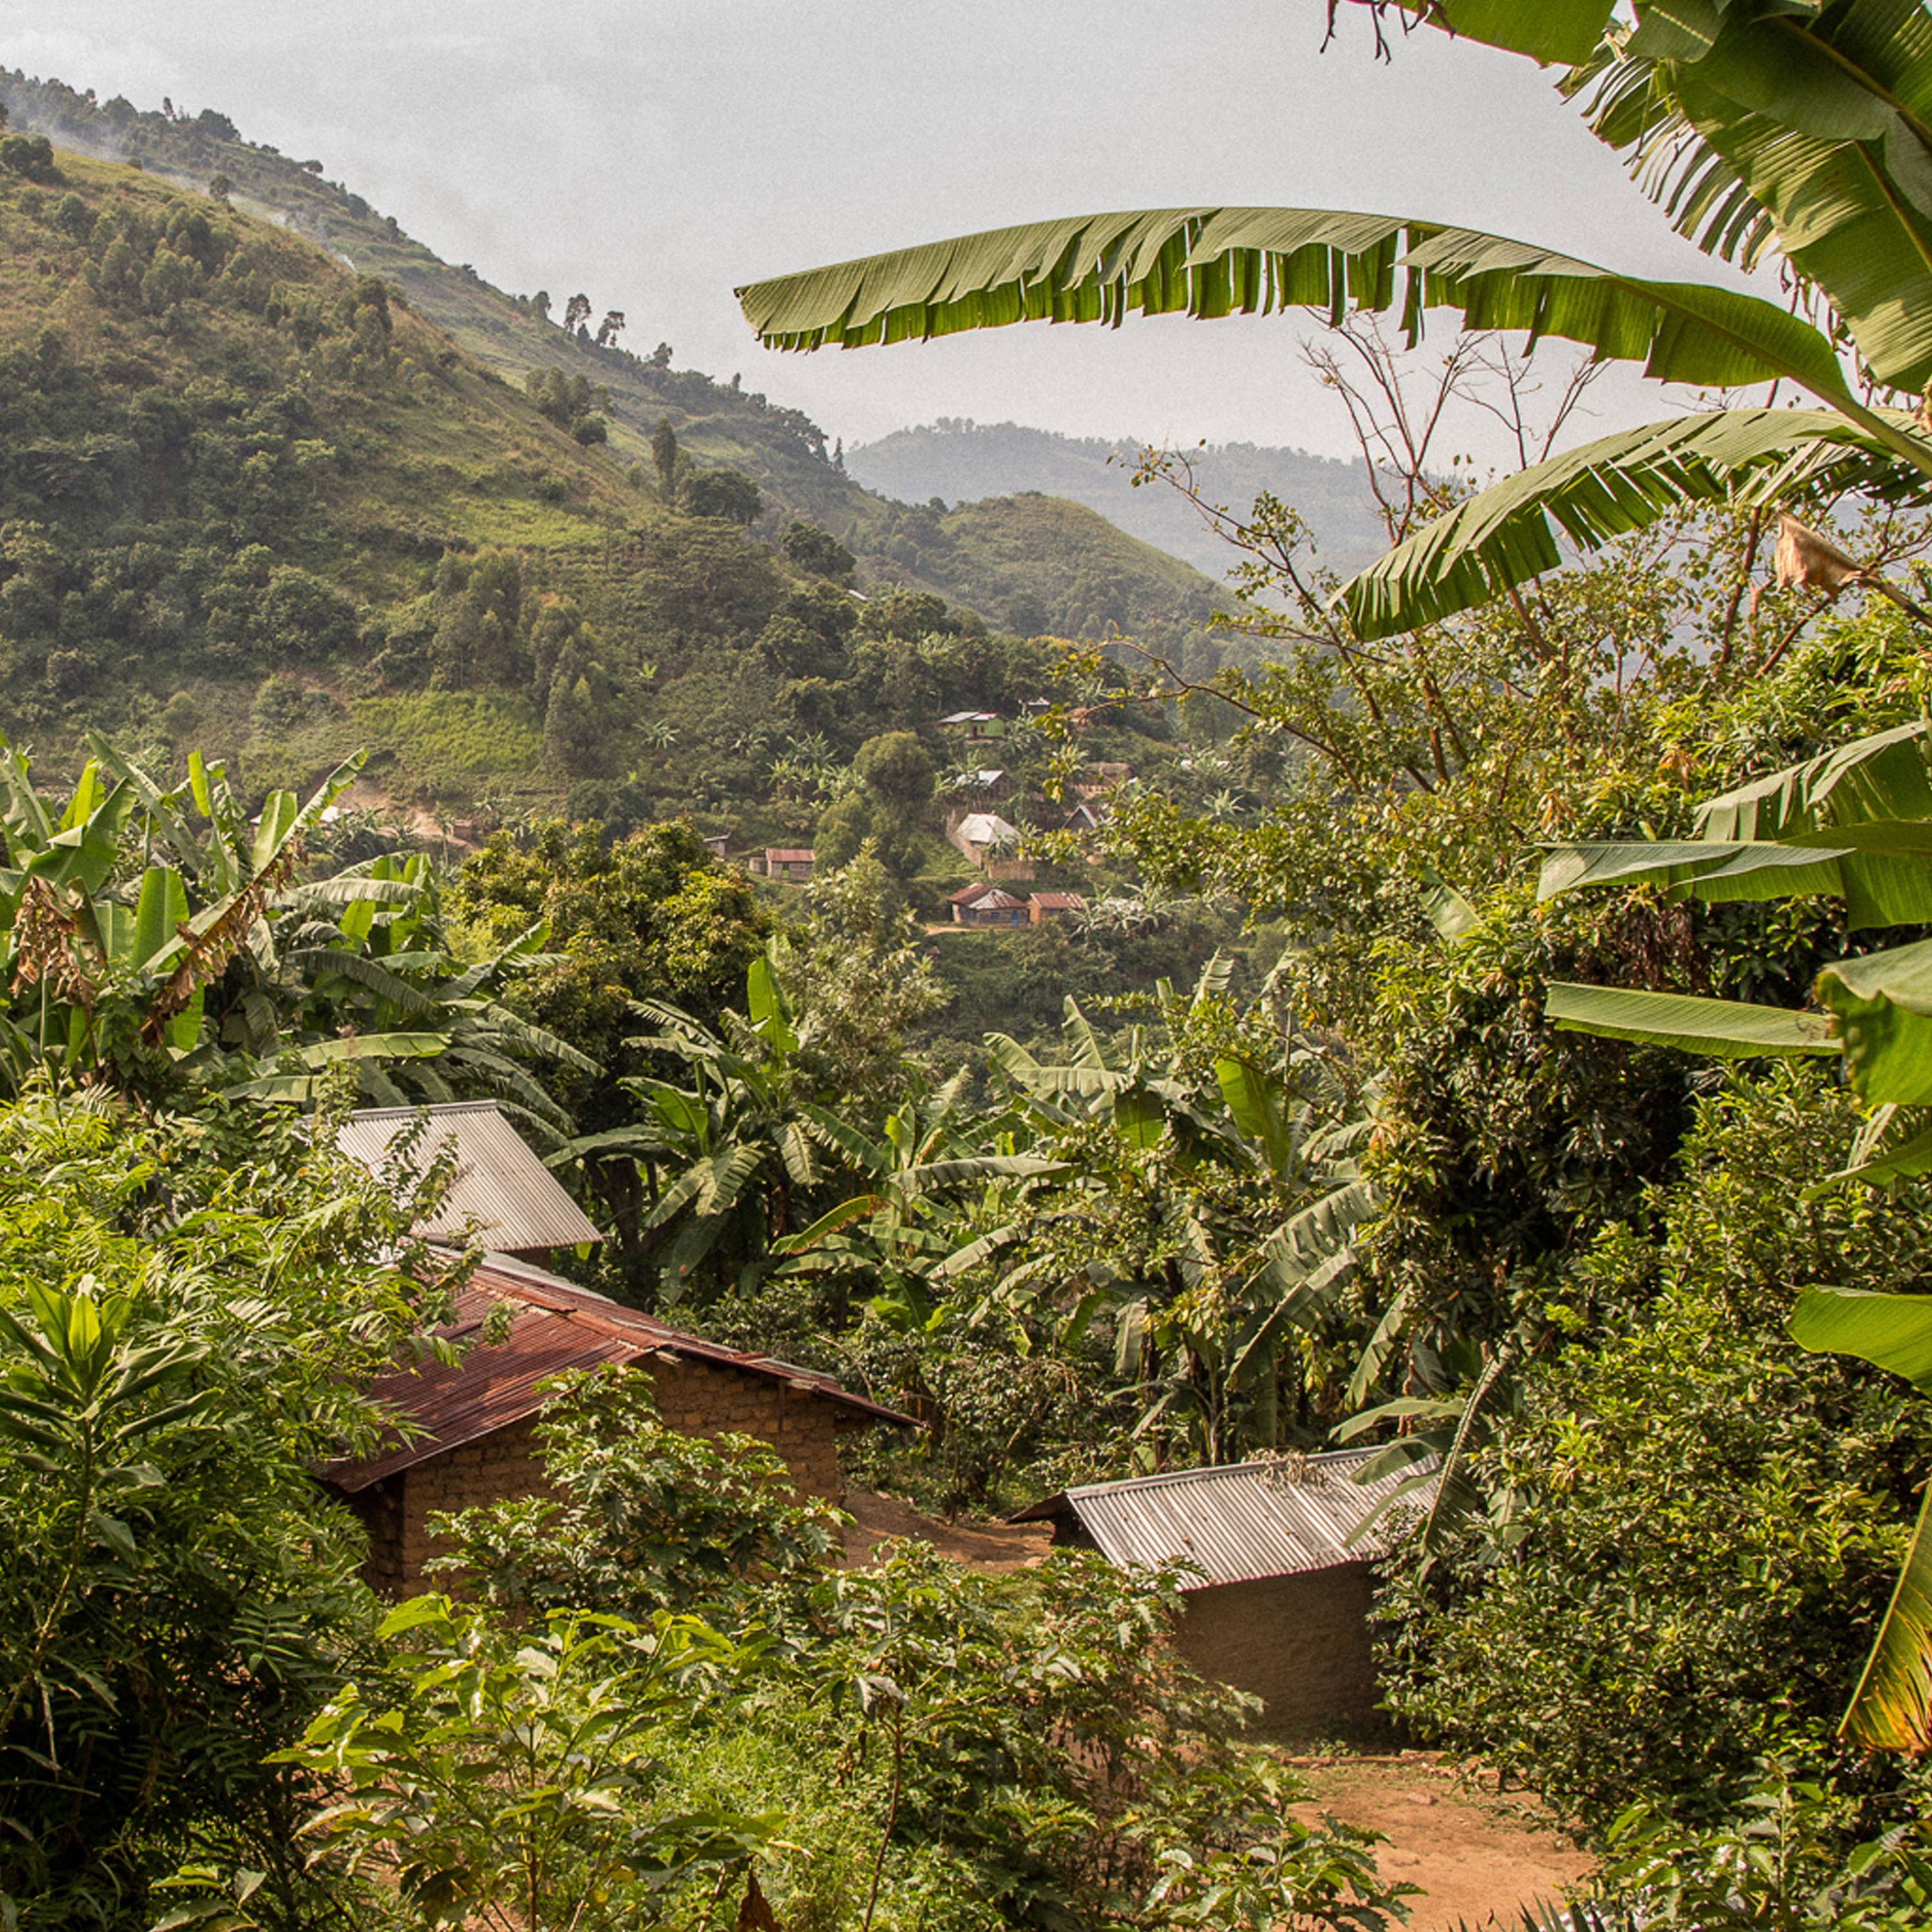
[[655, 153]]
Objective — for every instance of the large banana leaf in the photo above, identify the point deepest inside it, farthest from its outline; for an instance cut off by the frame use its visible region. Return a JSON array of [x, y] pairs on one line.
[[1514, 531], [1892, 1709], [1856, 821], [1883, 1006], [1729, 1029], [1211, 262], [1813, 126]]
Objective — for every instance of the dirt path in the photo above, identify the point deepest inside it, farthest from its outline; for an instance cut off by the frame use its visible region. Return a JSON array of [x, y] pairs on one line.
[[991, 1546], [1474, 1854]]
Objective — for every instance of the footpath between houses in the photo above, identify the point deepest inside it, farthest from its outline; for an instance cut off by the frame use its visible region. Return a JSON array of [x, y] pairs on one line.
[[1473, 1853]]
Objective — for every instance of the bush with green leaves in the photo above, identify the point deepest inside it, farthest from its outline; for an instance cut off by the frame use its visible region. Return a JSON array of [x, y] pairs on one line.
[[188, 1307], [1693, 1522], [513, 1778], [643, 1517]]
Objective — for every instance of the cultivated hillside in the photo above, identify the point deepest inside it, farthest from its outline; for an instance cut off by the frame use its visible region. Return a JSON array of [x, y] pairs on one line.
[[717, 425], [263, 503], [953, 460]]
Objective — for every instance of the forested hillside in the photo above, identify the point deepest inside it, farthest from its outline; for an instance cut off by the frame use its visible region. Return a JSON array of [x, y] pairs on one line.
[[718, 425], [957, 461]]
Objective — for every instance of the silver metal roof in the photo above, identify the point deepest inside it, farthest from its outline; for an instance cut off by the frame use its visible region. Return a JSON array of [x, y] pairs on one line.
[[502, 1192], [1237, 1524]]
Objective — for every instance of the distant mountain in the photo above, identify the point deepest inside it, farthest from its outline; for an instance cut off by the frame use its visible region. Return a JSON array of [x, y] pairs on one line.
[[959, 460]]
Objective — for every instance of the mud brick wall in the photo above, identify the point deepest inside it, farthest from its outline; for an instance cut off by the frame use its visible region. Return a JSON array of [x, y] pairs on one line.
[[691, 1396], [1301, 1643]]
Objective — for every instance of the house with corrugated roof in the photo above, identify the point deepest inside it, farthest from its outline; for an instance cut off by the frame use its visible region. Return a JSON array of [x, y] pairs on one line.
[[1043, 906], [985, 904], [464, 1430], [1280, 1553], [502, 1198]]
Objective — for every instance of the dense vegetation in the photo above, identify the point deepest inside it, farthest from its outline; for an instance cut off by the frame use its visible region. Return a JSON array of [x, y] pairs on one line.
[[1554, 1188]]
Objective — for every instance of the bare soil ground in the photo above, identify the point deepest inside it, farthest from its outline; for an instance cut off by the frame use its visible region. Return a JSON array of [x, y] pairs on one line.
[[1477, 1856], [991, 1546]]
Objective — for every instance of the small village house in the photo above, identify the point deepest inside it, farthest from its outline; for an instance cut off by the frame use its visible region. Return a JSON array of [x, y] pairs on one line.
[[1041, 907], [790, 862], [466, 1429], [1278, 1604], [471, 1434], [985, 904]]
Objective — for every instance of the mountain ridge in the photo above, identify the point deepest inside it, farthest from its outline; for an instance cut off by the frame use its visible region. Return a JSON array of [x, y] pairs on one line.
[[956, 459]]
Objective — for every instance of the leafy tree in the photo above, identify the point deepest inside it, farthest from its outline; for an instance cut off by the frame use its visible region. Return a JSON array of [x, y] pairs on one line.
[[650, 1518], [1683, 1587], [817, 551], [898, 767], [728, 493], [664, 458]]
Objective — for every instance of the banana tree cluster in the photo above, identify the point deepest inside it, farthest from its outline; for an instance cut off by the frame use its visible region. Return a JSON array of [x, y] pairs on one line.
[[154, 936], [1856, 824]]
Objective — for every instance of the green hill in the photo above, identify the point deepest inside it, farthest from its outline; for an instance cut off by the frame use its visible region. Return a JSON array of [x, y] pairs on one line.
[[718, 424], [278, 487], [954, 459]]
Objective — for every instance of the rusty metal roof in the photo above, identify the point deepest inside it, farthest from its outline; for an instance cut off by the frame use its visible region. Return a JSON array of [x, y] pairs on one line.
[[1060, 901], [1235, 1524], [554, 1325], [501, 1194]]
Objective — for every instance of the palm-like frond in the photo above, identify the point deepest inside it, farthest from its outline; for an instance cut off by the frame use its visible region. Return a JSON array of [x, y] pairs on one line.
[[1212, 262], [1761, 123], [1514, 532]]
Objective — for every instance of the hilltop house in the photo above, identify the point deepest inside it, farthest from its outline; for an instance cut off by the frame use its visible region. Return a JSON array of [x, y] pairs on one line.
[[1279, 1600]]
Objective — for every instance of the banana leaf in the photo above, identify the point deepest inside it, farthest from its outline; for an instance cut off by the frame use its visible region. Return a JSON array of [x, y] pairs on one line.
[[1517, 530], [1729, 1029], [1891, 1709], [1213, 262]]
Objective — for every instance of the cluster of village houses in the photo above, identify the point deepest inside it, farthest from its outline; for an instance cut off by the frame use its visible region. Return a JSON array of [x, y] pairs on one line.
[[1279, 1588]]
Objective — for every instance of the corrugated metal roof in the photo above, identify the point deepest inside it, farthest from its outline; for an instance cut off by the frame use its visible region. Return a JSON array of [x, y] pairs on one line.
[[1235, 1524], [986, 828], [1060, 901], [555, 1325], [502, 1192]]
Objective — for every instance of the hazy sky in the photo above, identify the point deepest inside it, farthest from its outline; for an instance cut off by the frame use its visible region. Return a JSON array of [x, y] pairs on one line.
[[655, 153]]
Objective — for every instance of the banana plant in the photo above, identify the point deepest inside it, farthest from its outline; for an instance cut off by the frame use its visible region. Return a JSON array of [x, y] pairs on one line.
[[729, 1158], [913, 1177], [1855, 822], [108, 955], [1800, 125], [78, 1399]]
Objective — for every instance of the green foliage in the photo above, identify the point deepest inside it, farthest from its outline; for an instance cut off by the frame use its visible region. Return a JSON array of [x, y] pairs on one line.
[[517, 1779], [728, 493], [1783, 1862], [649, 1519], [187, 1308], [816, 550], [1693, 1522]]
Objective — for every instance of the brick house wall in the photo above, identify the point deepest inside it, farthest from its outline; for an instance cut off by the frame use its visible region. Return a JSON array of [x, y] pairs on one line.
[[695, 1397], [1300, 1642]]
